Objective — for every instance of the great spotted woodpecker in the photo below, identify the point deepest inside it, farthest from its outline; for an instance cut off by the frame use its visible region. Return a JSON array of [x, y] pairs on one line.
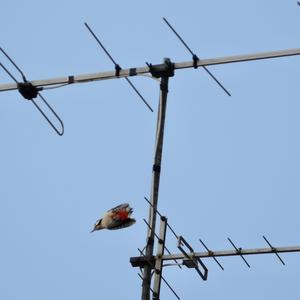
[[116, 218]]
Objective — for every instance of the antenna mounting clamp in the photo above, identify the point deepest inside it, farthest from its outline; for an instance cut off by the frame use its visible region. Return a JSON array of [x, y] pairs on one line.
[[163, 70], [27, 90]]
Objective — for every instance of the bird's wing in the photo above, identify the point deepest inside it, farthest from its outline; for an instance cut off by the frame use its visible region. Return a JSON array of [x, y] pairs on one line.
[[120, 214], [121, 224], [119, 207]]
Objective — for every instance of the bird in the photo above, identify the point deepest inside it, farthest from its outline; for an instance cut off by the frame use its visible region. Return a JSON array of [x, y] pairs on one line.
[[115, 218]]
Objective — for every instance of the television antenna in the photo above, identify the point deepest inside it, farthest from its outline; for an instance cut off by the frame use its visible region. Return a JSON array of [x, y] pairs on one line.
[[162, 72]]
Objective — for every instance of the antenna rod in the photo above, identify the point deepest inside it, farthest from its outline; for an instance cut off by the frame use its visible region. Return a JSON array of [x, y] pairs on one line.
[[238, 251], [14, 64], [165, 281], [59, 132], [159, 239], [179, 37], [8, 73], [212, 254], [117, 66], [174, 233], [196, 58], [274, 250], [100, 44]]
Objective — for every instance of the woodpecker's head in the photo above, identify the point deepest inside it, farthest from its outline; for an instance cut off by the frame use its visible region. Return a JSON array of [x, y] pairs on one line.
[[98, 226]]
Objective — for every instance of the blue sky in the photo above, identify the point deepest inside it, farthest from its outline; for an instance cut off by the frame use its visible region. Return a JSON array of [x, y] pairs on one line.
[[230, 164]]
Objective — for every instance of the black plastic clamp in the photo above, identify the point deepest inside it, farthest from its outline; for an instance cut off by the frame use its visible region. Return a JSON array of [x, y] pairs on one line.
[[70, 79], [156, 168], [118, 69], [163, 70], [195, 61], [27, 90]]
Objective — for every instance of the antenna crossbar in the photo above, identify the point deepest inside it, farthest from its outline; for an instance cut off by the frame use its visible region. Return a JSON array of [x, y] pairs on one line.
[[146, 70], [139, 261], [234, 253]]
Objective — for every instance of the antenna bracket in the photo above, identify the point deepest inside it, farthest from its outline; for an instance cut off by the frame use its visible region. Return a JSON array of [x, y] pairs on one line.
[[27, 90], [117, 69], [162, 70], [195, 61], [141, 261], [190, 260]]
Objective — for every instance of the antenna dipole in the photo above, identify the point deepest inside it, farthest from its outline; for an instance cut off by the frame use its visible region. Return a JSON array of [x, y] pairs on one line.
[[29, 92]]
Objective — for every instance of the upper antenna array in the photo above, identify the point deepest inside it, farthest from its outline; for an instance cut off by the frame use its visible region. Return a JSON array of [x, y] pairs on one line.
[[31, 89]]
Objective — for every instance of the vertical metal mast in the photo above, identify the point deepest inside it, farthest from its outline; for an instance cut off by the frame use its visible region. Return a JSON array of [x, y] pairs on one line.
[[155, 182]]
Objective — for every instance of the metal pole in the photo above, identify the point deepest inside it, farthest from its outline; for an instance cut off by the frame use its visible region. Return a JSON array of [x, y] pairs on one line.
[[155, 183]]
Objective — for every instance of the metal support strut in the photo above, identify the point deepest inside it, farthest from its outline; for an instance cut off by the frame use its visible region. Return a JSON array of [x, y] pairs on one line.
[[164, 73], [159, 261]]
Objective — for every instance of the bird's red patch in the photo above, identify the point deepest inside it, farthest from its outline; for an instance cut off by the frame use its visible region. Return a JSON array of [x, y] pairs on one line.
[[122, 215]]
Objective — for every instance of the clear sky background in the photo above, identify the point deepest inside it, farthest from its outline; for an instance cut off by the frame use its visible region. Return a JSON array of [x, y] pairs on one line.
[[230, 164]]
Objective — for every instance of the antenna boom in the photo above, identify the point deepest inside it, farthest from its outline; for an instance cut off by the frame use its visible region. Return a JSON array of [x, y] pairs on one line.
[[145, 70]]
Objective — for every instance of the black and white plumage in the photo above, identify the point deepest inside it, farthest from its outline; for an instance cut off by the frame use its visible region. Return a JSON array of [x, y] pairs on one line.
[[116, 218]]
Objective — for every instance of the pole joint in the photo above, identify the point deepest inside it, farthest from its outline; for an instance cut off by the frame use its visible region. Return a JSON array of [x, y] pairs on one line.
[[163, 70], [156, 168]]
